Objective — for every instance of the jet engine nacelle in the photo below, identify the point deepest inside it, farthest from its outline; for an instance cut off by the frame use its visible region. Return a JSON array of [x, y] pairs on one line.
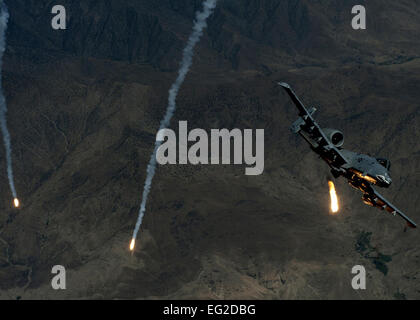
[[335, 136]]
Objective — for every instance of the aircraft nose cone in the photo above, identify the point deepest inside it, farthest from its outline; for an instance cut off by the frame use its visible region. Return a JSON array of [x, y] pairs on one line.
[[384, 179]]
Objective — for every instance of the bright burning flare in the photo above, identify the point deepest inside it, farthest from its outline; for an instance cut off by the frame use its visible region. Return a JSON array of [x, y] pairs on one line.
[[132, 244], [16, 202], [333, 196]]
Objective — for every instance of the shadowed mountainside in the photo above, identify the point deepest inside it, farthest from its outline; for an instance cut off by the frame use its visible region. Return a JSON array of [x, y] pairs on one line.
[[84, 106]]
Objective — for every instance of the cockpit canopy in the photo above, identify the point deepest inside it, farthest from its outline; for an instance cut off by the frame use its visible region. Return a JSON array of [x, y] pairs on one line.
[[385, 163]]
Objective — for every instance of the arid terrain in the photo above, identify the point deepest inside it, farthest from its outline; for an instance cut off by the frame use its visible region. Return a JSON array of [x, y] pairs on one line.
[[85, 104]]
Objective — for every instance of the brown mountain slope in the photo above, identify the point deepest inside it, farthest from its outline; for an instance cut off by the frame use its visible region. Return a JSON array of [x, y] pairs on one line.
[[84, 109]]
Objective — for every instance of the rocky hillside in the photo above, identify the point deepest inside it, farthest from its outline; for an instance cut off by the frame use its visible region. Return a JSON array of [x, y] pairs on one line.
[[84, 106]]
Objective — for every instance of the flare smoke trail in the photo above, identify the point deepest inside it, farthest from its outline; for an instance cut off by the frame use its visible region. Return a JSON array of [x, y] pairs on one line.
[[4, 18], [187, 55]]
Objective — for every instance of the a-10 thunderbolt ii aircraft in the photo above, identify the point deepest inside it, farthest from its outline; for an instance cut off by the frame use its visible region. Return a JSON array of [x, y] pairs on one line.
[[361, 171]]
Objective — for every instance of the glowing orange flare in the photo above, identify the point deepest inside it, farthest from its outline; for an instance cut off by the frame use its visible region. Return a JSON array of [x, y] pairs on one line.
[[333, 196], [132, 244], [16, 202]]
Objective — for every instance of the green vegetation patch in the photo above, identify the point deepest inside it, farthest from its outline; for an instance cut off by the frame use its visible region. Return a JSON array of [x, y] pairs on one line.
[[366, 250], [399, 295]]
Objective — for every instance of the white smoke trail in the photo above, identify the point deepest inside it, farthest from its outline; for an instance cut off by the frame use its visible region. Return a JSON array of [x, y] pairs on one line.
[[187, 55], [4, 18]]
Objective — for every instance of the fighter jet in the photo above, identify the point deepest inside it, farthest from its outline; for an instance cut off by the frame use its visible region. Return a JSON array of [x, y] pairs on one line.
[[362, 171]]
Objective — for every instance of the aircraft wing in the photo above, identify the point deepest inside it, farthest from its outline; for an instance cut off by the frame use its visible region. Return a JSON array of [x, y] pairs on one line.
[[312, 132], [380, 201], [302, 109]]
